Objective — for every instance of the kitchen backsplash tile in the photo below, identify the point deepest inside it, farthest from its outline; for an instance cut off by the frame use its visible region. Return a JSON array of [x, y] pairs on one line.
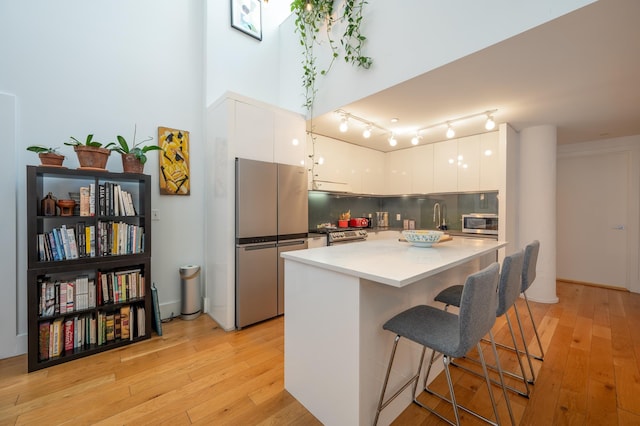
[[326, 207]]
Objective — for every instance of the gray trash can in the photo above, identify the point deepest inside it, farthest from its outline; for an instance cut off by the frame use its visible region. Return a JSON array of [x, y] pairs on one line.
[[190, 291]]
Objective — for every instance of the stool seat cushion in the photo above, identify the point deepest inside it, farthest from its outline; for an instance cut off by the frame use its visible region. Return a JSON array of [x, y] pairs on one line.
[[450, 295], [428, 326]]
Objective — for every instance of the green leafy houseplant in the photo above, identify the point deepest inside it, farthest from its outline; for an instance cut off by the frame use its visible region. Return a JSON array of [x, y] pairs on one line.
[[134, 157], [49, 156], [39, 149], [91, 154], [311, 16], [88, 142], [136, 149]]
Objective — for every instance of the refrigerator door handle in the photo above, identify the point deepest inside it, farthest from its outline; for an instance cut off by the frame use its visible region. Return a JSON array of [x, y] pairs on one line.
[[258, 246], [291, 243]]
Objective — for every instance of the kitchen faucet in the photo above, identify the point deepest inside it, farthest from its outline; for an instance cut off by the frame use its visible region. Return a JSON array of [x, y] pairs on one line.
[[436, 208]]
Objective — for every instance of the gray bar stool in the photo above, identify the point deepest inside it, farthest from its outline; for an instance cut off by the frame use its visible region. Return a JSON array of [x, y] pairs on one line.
[[449, 334], [528, 276], [531, 251], [508, 292]]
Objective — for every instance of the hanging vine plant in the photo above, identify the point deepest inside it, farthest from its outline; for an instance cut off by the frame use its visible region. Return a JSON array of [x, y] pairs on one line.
[[311, 17]]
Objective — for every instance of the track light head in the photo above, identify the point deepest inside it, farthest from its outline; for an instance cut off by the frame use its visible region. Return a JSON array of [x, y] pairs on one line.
[[367, 132], [344, 126], [450, 132], [416, 139], [392, 140], [490, 124]]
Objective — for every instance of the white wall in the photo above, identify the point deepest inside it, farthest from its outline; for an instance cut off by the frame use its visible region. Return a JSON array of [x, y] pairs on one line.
[[239, 63], [11, 345], [408, 38], [78, 67]]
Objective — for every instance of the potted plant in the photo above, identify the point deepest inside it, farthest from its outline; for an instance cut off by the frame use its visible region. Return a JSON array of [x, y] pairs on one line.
[[48, 156], [134, 157], [91, 154]]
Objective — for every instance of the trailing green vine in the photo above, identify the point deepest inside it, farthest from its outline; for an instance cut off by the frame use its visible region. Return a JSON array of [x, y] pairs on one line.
[[311, 17]]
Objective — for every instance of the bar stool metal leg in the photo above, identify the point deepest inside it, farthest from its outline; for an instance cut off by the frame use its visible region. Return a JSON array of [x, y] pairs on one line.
[[414, 379]]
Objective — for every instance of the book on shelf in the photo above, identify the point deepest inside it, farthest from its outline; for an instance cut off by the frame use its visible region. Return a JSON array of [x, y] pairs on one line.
[[140, 319], [110, 328], [91, 297], [62, 291], [56, 337], [92, 199], [124, 322], [117, 326], [101, 209], [80, 234], [43, 340], [85, 193], [73, 246], [69, 336]]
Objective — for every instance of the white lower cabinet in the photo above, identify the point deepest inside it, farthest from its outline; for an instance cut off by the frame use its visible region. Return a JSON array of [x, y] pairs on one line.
[[317, 241]]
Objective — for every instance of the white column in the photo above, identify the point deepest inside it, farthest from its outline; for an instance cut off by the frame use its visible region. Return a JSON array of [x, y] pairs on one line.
[[537, 208]]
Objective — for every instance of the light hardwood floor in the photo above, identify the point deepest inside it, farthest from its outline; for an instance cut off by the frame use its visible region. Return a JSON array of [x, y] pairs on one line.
[[198, 374]]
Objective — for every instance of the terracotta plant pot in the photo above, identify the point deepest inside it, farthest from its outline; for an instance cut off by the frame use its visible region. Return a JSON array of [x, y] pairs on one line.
[[91, 157], [51, 159], [131, 164]]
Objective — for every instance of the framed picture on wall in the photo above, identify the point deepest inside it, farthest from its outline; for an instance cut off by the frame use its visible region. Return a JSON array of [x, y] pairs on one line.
[[246, 16]]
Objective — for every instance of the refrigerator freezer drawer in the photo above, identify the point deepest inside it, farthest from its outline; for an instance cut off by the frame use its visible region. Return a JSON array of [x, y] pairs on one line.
[[256, 284]]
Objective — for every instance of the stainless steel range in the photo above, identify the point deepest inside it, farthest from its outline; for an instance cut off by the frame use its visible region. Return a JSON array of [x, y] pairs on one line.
[[345, 235]]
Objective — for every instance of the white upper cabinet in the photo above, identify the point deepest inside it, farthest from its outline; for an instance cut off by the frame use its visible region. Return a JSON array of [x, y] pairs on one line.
[[445, 166], [268, 134], [457, 165], [289, 133], [489, 163], [253, 128], [399, 172], [468, 163], [372, 171], [421, 169]]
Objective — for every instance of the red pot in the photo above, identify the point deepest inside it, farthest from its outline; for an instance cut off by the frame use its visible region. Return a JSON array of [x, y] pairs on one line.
[[359, 222]]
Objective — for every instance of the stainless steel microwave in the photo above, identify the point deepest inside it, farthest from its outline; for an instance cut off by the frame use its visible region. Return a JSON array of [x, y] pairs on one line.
[[480, 223]]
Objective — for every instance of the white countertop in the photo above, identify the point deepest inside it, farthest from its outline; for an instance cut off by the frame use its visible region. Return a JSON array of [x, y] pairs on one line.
[[393, 262]]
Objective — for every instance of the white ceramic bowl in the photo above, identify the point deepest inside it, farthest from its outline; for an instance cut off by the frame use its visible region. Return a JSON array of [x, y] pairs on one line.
[[422, 237]]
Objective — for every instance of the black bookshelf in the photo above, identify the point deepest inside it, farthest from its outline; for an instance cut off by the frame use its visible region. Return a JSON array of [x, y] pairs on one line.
[[104, 261]]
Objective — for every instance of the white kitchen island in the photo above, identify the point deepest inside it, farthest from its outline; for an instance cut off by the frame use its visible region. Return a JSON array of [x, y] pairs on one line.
[[337, 298]]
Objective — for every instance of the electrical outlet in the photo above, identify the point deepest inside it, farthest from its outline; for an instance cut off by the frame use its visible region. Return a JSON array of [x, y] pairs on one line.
[[155, 214], [398, 216]]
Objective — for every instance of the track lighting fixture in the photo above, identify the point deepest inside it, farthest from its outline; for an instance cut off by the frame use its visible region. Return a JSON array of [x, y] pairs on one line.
[[308, 6], [345, 116], [416, 139], [344, 126], [450, 132], [490, 124]]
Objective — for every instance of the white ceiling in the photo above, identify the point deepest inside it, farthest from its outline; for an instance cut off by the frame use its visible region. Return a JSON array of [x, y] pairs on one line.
[[580, 72]]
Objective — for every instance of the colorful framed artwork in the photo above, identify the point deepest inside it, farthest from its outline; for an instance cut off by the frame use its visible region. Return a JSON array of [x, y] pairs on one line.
[[246, 16], [175, 176]]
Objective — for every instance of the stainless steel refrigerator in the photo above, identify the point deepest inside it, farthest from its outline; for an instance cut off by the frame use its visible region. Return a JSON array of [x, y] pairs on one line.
[[271, 217]]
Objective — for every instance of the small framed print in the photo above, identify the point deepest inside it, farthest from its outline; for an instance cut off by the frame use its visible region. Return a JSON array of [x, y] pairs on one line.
[[246, 16]]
